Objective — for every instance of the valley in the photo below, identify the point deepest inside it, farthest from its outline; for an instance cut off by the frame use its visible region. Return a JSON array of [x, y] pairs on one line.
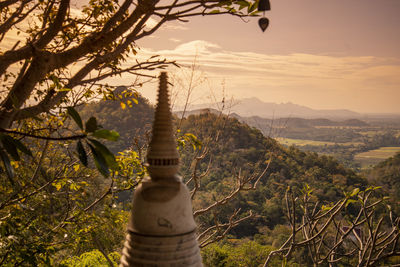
[[373, 157], [241, 172], [359, 141]]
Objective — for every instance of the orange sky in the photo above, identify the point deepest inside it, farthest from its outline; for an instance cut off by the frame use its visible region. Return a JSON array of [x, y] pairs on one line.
[[324, 54]]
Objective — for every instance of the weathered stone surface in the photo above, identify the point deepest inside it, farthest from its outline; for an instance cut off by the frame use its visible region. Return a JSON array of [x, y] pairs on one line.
[[161, 208]]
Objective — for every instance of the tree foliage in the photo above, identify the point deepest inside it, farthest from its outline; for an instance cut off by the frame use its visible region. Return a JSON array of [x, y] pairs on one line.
[[66, 53], [38, 73], [55, 56]]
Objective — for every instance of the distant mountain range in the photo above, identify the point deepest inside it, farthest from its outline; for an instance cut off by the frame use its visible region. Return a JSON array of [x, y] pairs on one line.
[[248, 107], [266, 123]]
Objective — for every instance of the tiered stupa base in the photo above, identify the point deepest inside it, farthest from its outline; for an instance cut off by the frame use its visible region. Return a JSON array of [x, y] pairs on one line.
[[146, 251]]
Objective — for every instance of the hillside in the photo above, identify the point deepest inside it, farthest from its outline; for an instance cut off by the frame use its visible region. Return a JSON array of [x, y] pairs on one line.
[[130, 122], [284, 121], [318, 129], [231, 153], [235, 146], [387, 175]]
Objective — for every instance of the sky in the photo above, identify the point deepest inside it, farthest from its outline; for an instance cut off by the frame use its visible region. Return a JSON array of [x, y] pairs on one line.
[[324, 54]]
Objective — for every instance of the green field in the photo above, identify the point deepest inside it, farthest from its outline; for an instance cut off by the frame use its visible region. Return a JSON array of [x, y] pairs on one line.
[[303, 142], [372, 157]]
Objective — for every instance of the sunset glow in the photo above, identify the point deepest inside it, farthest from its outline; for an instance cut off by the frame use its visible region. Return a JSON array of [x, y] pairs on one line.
[[322, 54]]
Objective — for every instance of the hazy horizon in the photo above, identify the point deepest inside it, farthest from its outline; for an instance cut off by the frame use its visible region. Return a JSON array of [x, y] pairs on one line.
[[279, 105]]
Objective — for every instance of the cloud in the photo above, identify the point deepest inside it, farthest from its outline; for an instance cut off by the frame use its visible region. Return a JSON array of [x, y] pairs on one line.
[[315, 80], [151, 23], [218, 62], [175, 40], [191, 49]]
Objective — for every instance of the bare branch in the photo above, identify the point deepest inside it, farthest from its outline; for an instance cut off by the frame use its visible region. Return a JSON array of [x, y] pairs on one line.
[[16, 17], [217, 232], [241, 185], [341, 242], [64, 138]]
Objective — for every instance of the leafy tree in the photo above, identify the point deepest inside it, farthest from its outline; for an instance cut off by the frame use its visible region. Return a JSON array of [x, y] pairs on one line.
[[61, 208], [66, 53], [62, 59], [244, 254], [101, 35], [132, 122], [387, 175], [92, 258], [241, 151]]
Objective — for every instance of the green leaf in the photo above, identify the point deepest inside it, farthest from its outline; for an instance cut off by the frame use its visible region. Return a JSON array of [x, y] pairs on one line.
[[325, 208], [252, 7], [216, 11], [196, 143], [224, 3], [14, 144], [57, 186], [107, 155], [106, 134], [74, 186], [82, 153], [354, 192], [21, 147], [75, 115], [65, 90], [9, 146], [7, 164], [99, 161], [91, 125], [242, 4]]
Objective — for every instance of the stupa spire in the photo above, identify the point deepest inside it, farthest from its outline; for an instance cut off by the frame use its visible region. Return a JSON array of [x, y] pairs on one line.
[[163, 156], [162, 230]]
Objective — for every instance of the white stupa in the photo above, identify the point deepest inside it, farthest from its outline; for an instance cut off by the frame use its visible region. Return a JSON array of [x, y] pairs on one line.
[[161, 231]]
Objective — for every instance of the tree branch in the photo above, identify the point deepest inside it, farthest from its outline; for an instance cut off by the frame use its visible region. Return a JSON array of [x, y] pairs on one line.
[[64, 138]]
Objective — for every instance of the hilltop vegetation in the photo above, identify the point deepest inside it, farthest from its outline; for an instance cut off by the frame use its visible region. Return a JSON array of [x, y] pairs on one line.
[[387, 175], [231, 146], [344, 139], [240, 147], [231, 149], [132, 121], [239, 179]]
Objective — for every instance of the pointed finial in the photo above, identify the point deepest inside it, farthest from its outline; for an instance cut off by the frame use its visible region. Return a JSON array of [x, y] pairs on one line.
[[163, 156]]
